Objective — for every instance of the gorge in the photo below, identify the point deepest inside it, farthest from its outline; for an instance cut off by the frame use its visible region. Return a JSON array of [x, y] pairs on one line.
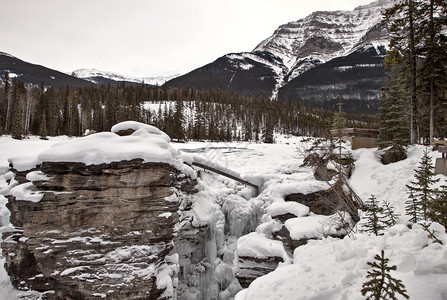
[[119, 215]]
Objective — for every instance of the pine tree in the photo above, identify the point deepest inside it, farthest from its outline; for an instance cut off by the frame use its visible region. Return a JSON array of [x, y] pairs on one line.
[[43, 127], [338, 124], [267, 132], [178, 119], [17, 110], [8, 102], [422, 188], [433, 74], [394, 110], [412, 208], [381, 284], [374, 216], [390, 217], [402, 19], [437, 210]]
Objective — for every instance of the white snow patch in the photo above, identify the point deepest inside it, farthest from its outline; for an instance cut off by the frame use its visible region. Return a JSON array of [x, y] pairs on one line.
[[316, 226], [165, 215], [281, 208], [259, 246], [25, 191]]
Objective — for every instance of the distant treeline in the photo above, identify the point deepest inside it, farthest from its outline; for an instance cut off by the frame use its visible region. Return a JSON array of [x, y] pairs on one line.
[[213, 115]]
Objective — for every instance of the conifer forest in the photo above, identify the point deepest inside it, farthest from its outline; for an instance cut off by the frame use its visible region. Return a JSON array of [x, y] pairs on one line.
[[217, 115]]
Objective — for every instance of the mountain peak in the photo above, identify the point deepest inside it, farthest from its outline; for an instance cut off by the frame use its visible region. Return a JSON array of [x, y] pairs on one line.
[[324, 35], [96, 76]]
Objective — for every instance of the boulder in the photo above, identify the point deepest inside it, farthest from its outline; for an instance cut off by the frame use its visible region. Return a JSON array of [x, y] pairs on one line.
[[393, 154]]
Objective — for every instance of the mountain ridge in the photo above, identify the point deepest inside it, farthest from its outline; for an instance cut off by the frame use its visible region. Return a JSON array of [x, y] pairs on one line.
[[37, 74], [96, 76], [296, 48]]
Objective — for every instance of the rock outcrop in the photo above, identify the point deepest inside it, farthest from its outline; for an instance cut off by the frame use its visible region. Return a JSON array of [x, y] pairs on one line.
[[99, 229]]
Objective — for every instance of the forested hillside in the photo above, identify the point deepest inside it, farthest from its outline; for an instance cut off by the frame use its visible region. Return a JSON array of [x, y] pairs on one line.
[[216, 115]]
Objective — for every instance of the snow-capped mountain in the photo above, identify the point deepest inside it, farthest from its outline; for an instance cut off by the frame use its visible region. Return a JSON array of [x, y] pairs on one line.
[[98, 77], [323, 35], [356, 40]]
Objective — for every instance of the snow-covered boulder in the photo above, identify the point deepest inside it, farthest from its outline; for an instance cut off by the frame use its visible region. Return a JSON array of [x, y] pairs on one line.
[[257, 256]]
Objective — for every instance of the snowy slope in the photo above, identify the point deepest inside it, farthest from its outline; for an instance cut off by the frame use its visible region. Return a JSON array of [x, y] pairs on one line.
[[324, 35], [93, 75], [328, 268], [336, 268]]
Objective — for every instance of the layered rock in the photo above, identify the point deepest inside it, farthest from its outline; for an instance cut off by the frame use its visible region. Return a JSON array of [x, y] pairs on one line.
[[257, 256], [100, 230], [92, 231]]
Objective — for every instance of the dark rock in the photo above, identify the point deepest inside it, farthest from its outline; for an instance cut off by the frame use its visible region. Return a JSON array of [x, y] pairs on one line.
[[284, 235], [393, 154], [337, 198], [284, 217], [125, 132], [251, 268], [321, 202]]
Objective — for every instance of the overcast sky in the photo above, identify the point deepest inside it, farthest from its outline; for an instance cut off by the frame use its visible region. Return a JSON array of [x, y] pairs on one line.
[[144, 37]]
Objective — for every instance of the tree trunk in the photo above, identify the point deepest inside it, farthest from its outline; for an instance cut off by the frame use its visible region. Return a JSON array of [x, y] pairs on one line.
[[412, 70]]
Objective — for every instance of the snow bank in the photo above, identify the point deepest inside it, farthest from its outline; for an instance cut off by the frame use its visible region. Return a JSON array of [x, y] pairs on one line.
[[136, 126], [106, 147], [330, 268], [303, 187], [259, 246], [317, 226], [335, 269], [388, 182], [281, 208]]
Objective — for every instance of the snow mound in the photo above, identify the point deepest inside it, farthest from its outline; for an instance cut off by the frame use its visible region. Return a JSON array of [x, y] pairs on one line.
[[137, 125], [336, 268], [259, 246], [317, 226], [281, 208]]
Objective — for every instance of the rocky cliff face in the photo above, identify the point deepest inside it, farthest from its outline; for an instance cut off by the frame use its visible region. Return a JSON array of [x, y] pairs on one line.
[[98, 230], [95, 217], [324, 35]]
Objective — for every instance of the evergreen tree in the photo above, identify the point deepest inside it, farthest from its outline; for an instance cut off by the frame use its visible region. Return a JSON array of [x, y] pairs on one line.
[[433, 74], [412, 208], [402, 20], [339, 120], [422, 189], [437, 210], [390, 217], [8, 102], [338, 124], [381, 284], [74, 124], [17, 110], [43, 127], [374, 216], [394, 110], [51, 110], [267, 132]]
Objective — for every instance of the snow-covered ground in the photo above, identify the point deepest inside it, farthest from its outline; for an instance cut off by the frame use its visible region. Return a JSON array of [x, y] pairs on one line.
[[328, 268]]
